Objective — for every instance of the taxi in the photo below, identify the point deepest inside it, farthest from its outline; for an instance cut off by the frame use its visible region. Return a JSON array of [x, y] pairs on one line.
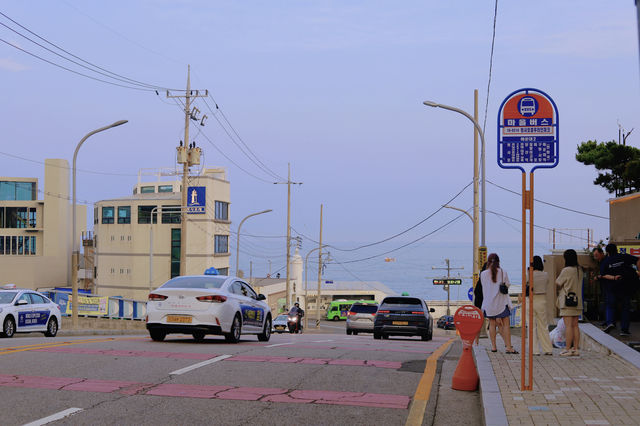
[[26, 311], [208, 304]]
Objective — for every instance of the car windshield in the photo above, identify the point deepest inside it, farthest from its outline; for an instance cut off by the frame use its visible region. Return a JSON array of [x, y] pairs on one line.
[[195, 282], [7, 296], [364, 309], [402, 301], [281, 317]]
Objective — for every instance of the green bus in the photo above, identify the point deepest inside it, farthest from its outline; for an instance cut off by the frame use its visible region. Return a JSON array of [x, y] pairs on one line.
[[338, 309]]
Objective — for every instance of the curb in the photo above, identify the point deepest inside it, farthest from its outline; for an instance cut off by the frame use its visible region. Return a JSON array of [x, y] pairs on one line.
[[610, 344], [492, 408]]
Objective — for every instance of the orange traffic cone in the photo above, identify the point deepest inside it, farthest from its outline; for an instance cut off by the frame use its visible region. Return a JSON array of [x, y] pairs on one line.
[[468, 320], [466, 375]]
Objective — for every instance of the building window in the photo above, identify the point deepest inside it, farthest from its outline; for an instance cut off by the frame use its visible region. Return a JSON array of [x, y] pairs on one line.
[[32, 217], [165, 188], [107, 215], [222, 210], [14, 245], [1, 217], [17, 191], [1, 244], [221, 244], [95, 215], [223, 271], [124, 214], [144, 214], [175, 252], [170, 214], [15, 217], [147, 189]]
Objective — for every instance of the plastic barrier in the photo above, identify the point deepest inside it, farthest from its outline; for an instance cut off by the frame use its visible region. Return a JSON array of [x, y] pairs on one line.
[[468, 320]]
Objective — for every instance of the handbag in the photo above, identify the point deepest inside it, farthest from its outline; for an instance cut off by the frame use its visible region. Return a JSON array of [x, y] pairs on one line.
[[503, 287], [571, 300]]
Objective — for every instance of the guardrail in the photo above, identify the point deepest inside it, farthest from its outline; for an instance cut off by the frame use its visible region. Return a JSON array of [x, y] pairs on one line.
[[99, 306]]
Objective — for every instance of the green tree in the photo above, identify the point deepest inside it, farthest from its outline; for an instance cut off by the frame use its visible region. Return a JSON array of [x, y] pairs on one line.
[[618, 165]]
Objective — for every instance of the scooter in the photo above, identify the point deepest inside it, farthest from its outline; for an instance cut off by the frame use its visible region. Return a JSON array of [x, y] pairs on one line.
[[294, 322]]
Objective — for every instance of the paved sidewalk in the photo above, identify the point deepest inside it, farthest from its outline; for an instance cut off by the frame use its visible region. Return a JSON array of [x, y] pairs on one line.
[[600, 387]]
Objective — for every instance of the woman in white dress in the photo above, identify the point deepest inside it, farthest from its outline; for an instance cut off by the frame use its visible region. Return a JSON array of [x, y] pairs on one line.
[[496, 305]]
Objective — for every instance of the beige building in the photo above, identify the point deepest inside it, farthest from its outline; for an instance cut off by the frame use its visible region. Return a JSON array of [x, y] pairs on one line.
[[35, 234], [624, 221], [137, 238]]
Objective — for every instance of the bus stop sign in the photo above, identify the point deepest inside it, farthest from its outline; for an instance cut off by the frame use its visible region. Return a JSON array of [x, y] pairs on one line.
[[528, 130]]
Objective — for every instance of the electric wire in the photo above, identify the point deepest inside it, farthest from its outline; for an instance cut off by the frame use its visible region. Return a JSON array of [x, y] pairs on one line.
[[549, 204], [493, 40], [538, 226], [66, 167]]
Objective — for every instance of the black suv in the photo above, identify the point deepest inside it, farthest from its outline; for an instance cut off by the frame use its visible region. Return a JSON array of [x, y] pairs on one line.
[[403, 316]]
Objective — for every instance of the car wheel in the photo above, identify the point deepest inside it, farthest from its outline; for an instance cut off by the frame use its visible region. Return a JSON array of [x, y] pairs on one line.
[[355, 333], [385, 336], [266, 334], [8, 327], [198, 336], [52, 327], [234, 334], [348, 332], [336, 318], [377, 336], [157, 335]]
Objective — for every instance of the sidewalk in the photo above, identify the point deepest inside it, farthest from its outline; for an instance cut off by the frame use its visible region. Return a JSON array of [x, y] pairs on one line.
[[600, 387]]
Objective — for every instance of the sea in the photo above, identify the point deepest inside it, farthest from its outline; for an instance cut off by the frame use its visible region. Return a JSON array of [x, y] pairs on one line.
[[413, 270]]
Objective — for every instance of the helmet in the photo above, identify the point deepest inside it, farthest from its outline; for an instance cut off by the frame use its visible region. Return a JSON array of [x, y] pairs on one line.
[[297, 305]]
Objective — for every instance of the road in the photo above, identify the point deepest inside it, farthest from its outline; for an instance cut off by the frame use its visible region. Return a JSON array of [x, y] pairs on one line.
[[312, 378]]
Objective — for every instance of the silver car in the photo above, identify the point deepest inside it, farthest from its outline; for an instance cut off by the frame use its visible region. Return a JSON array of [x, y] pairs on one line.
[[360, 317], [280, 324]]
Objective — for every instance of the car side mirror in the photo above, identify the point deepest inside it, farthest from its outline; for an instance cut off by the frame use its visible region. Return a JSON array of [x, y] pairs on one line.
[[21, 302], [261, 297], [432, 310]]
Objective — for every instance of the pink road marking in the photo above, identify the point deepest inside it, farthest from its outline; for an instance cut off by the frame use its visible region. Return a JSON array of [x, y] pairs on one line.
[[363, 399], [426, 351], [147, 354]]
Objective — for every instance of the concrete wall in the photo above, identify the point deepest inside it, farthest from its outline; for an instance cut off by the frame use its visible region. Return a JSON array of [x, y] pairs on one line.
[[624, 219]]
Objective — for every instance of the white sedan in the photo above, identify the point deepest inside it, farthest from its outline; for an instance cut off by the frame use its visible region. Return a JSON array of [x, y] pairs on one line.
[[208, 304], [26, 311]]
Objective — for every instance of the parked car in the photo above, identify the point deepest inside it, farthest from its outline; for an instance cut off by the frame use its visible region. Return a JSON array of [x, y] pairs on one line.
[[280, 323], [403, 316], [25, 311], [360, 318]]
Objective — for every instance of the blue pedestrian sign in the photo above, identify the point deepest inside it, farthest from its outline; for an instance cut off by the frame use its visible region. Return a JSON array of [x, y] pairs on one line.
[[528, 130], [196, 199], [470, 294]]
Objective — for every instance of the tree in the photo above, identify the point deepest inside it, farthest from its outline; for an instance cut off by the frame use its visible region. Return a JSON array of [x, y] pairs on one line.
[[621, 163]]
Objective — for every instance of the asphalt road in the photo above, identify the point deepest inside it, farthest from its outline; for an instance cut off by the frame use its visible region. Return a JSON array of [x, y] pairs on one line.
[[313, 378]]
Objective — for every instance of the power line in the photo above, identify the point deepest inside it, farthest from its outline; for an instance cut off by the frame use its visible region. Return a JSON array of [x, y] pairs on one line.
[[493, 40], [549, 204], [399, 233], [65, 167], [537, 226]]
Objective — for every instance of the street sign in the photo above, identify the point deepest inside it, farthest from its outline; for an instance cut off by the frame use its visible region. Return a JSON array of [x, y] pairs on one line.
[[447, 281], [528, 130], [470, 294], [196, 200]]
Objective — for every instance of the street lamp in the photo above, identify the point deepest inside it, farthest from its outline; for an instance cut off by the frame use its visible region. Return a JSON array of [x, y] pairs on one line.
[[305, 285], [238, 242], [482, 159], [74, 248]]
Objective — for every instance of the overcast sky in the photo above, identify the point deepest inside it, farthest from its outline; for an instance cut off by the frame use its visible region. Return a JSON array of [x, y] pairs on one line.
[[336, 89]]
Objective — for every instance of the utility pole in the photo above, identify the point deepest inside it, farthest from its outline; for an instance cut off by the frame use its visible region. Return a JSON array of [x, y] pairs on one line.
[[319, 273], [188, 156], [288, 183], [448, 268]]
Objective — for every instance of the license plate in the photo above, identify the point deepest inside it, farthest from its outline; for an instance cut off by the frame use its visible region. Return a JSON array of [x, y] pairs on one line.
[[183, 319], [400, 322], [278, 327]]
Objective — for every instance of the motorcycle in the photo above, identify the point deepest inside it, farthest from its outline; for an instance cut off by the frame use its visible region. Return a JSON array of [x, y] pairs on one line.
[[294, 322]]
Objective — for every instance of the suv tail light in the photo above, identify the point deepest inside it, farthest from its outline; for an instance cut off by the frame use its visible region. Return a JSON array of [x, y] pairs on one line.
[[212, 298], [383, 312], [156, 297], [351, 313], [417, 313]]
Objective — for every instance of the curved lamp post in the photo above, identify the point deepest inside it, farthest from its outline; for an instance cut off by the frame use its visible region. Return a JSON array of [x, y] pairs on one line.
[[75, 250], [238, 243]]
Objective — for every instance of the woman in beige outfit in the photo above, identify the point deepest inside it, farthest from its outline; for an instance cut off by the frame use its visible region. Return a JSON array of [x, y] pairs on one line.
[[539, 289], [570, 281]]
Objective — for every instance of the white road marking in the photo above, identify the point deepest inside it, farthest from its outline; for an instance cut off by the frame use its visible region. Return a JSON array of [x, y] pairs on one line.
[[200, 364], [322, 341], [54, 417], [278, 344]]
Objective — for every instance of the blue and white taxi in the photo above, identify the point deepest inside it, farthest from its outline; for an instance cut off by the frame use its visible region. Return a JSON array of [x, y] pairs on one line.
[[208, 304], [26, 311]]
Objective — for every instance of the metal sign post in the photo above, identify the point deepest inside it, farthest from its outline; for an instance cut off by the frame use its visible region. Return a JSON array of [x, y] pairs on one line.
[[527, 134]]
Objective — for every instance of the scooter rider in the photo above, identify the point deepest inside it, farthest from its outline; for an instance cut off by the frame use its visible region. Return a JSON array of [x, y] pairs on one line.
[[299, 312]]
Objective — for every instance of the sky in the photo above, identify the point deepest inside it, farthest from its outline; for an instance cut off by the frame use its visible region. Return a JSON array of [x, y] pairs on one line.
[[335, 89]]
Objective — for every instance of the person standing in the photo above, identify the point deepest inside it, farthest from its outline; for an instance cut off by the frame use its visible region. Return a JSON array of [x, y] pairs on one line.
[[569, 284], [496, 303], [539, 291], [616, 270]]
